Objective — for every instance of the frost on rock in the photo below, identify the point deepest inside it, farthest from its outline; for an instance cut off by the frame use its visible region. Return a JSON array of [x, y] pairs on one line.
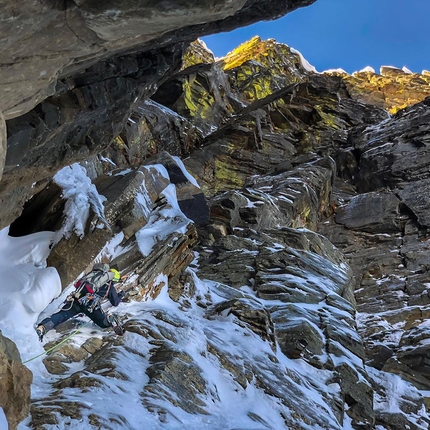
[[162, 223], [305, 63], [399, 398], [81, 195]]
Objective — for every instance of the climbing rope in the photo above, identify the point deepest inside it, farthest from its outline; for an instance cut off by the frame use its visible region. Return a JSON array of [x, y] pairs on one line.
[[58, 344], [66, 338]]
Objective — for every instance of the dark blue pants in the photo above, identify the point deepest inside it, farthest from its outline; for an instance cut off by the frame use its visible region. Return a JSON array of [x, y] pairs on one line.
[[67, 312]]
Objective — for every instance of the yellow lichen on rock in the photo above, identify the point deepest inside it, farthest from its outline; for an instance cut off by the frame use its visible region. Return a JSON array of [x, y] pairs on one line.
[[262, 67], [253, 83], [244, 52], [197, 53], [392, 90], [119, 142], [197, 99], [329, 119], [226, 175]]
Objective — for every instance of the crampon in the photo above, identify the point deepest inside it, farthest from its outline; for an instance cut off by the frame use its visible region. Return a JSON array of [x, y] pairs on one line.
[[116, 325]]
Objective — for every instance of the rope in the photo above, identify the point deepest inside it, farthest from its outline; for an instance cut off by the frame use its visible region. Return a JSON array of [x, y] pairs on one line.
[[66, 338], [58, 344]]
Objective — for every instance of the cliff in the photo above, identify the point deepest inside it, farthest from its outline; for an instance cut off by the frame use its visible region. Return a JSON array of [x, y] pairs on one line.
[[272, 221]]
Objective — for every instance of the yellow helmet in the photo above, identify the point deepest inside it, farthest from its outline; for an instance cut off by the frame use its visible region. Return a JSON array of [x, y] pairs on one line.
[[116, 275]]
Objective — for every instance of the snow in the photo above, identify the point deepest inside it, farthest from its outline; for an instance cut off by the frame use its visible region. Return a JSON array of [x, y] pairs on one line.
[[80, 195], [112, 249], [367, 69], [34, 291], [230, 402], [143, 199], [29, 288], [229, 405], [160, 168], [202, 42], [123, 172], [399, 391], [185, 171], [107, 160], [162, 223], [404, 69], [305, 63], [335, 71]]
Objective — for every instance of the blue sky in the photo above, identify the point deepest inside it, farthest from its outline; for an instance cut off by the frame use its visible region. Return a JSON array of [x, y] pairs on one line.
[[347, 34]]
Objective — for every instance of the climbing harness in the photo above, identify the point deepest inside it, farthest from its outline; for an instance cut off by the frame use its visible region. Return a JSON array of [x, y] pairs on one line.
[[90, 300]]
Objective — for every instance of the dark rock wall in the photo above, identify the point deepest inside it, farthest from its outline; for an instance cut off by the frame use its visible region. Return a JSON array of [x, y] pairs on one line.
[[370, 201], [47, 41], [72, 78], [382, 226]]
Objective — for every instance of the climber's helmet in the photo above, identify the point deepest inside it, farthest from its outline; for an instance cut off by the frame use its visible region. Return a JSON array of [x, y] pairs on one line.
[[116, 275]]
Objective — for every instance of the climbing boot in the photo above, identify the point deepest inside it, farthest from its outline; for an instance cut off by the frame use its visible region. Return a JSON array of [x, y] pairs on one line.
[[40, 330], [116, 325]]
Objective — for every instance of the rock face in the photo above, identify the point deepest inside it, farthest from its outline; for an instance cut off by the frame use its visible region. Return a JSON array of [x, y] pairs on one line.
[[392, 89], [3, 143], [303, 226], [38, 56], [15, 381], [390, 263], [71, 79]]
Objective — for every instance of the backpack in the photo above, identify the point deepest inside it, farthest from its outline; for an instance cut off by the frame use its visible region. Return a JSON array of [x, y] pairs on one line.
[[91, 283]]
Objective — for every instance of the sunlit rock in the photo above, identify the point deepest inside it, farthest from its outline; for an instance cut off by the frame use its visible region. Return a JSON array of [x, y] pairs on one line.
[[392, 89], [259, 68], [197, 53]]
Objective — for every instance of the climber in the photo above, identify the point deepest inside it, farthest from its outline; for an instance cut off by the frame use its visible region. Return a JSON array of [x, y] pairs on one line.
[[90, 291]]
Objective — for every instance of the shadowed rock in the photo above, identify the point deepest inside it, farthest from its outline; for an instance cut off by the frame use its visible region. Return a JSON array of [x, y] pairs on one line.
[[15, 381]]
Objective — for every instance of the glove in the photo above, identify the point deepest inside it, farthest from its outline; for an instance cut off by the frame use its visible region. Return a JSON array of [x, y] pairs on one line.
[[121, 294]]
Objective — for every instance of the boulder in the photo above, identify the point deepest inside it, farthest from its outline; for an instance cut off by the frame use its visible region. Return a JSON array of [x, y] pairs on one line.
[[15, 383], [376, 212]]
